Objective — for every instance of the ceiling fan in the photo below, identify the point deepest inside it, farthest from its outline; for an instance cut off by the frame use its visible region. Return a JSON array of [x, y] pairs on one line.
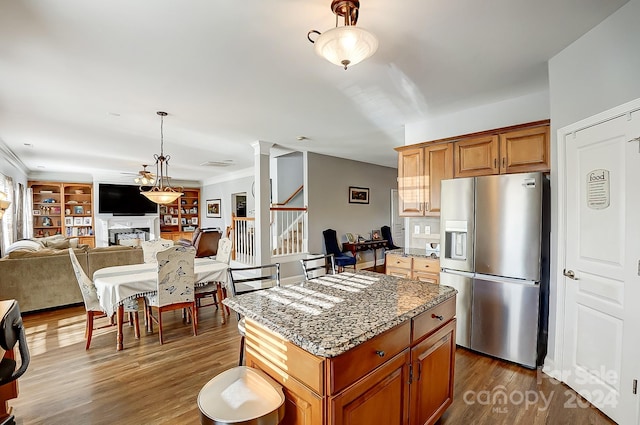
[[143, 177]]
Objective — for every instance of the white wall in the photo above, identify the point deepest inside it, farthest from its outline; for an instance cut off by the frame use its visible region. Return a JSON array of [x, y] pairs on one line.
[[597, 72], [328, 181], [223, 190]]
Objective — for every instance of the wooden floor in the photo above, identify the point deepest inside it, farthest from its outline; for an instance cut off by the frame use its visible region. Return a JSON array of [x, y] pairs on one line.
[[152, 384]]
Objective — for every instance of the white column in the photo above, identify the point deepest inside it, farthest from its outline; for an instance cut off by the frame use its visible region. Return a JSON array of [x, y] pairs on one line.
[[263, 201]]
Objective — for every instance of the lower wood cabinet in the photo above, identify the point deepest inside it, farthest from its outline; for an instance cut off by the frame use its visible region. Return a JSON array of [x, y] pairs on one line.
[[403, 376], [424, 269]]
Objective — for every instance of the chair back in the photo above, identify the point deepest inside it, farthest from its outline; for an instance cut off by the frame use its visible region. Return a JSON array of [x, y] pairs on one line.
[[331, 242], [386, 234], [318, 265], [12, 332], [88, 289], [224, 250], [207, 243], [150, 248], [176, 277], [250, 279]]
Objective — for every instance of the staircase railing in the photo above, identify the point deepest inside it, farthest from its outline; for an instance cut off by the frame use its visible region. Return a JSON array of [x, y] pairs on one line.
[[288, 230], [243, 240]]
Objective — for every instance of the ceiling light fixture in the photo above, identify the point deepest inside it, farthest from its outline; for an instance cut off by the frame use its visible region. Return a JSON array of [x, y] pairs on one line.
[[346, 45], [159, 193], [4, 203]]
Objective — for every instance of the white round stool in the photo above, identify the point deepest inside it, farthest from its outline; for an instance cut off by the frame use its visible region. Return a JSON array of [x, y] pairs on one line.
[[241, 395]]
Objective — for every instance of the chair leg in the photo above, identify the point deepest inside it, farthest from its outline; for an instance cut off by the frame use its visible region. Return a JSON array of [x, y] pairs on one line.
[[136, 325], [160, 325], [89, 329], [194, 320], [241, 361]]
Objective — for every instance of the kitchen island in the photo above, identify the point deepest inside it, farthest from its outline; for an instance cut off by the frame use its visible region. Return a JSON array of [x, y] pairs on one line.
[[355, 348]]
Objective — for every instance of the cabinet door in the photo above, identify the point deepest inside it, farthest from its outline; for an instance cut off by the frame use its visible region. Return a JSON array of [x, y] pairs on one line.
[[525, 150], [410, 182], [381, 397], [433, 361], [476, 157], [437, 167]]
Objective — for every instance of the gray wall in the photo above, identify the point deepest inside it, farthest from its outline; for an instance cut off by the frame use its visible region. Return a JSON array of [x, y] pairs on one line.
[[597, 72], [289, 177], [328, 181], [223, 191]]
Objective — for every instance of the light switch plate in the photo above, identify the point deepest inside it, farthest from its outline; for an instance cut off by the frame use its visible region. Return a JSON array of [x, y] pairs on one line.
[[427, 230], [416, 229]]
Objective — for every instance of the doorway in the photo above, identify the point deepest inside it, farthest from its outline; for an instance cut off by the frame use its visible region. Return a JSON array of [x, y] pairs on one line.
[[239, 204]]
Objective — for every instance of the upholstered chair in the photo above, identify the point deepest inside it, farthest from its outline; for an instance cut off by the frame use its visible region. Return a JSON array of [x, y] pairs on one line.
[[331, 244], [150, 248], [175, 286], [91, 303]]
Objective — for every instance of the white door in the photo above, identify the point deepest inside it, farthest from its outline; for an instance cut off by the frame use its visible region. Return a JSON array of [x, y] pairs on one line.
[[397, 222], [602, 320]]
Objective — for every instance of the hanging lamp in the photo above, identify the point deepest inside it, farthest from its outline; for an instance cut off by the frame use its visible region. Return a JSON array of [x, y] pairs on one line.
[[162, 192], [345, 45]]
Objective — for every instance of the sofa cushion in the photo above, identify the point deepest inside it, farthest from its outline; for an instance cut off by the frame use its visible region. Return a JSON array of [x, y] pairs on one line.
[[47, 239], [62, 243], [24, 245], [44, 252]]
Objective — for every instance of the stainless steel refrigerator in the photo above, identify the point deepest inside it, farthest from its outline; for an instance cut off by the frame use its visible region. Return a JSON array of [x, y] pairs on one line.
[[494, 251]]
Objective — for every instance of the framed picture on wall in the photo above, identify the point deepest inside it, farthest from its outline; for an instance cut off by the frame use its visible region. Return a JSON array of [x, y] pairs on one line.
[[214, 208], [358, 195]]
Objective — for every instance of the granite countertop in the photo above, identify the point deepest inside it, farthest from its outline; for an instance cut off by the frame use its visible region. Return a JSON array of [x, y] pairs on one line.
[[415, 252], [330, 315]]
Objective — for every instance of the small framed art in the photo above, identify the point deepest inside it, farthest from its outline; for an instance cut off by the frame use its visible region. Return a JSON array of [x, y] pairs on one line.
[[77, 221], [86, 221], [194, 221], [174, 221], [358, 195], [68, 221], [213, 208]]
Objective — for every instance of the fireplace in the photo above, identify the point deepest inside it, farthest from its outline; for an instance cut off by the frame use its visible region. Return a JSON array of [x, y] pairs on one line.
[[114, 230]]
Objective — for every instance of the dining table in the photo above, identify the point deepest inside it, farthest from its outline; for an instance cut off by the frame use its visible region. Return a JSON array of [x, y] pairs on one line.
[[117, 285]]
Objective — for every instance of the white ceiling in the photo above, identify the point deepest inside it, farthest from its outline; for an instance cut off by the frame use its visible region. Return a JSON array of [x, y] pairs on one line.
[[81, 80]]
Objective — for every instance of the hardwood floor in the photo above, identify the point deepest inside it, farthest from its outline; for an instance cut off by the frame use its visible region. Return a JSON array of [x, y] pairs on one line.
[[152, 384]]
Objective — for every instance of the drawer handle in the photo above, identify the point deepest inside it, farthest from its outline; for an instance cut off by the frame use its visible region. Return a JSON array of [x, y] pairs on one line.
[[434, 316], [380, 353]]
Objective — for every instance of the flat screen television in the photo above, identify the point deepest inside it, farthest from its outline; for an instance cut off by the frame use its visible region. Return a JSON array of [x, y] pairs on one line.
[[122, 199]]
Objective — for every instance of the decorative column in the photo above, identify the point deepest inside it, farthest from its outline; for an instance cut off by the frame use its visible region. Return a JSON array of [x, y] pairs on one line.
[[262, 244]]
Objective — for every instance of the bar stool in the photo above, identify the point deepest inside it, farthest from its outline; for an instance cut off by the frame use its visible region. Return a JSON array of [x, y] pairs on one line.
[[241, 395]]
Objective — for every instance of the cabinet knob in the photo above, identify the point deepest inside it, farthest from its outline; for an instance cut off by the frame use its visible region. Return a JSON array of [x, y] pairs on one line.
[[435, 316], [380, 353]]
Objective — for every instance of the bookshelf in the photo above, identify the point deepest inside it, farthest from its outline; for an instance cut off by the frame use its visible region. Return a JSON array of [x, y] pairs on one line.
[[179, 219]]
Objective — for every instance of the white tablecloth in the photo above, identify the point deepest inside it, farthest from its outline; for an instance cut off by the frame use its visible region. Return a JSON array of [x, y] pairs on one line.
[[119, 283]]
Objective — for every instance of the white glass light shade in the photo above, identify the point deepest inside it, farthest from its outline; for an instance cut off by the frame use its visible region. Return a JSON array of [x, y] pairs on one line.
[[162, 197], [144, 181], [346, 46]]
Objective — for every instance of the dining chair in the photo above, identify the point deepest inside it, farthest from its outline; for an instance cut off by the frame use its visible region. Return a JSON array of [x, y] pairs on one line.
[[251, 279], [342, 259], [92, 305], [175, 284], [211, 288], [318, 265], [386, 235], [150, 248]]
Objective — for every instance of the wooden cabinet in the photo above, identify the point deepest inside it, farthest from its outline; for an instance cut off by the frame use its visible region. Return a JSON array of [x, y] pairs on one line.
[[517, 151], [402, 376], [63, 209], [525, 150], [417, 268], [476, 157], [420, 172], [180, 218], [432, 387]]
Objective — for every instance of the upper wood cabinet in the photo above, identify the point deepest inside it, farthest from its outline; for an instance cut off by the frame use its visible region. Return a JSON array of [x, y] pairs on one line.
[[420, 171], [525, 150], [518, 151]]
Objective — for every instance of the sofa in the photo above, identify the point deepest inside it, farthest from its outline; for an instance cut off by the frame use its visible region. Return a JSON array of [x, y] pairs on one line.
[[43, 278]]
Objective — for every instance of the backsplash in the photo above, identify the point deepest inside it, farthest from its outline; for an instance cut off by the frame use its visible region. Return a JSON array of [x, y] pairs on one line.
[[422, 230]]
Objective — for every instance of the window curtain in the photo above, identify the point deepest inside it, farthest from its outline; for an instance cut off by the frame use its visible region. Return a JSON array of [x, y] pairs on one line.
[[7, 228], [20, 219]]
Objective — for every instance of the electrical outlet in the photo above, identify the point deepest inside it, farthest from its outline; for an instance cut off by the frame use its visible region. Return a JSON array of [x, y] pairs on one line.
[[416, 229], [427, 230]]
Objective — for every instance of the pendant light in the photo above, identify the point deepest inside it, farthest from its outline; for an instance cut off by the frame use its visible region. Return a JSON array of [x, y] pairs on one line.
[[162, 192], [346, 45]]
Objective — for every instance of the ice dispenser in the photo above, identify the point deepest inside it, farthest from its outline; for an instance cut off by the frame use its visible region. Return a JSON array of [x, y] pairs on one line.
[[455, 240]]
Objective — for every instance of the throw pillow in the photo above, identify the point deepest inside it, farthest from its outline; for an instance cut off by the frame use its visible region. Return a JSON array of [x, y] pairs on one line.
[[62, 244], [24, 245]]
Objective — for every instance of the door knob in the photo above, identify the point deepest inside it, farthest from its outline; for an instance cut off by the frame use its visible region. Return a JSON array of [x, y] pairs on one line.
[[570, 274]]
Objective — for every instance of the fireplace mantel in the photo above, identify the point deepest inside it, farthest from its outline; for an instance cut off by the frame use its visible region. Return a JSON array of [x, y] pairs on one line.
[[106, 222]]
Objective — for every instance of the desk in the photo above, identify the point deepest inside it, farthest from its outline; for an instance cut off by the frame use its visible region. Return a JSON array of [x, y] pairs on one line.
[[117, 284], [365, 246]]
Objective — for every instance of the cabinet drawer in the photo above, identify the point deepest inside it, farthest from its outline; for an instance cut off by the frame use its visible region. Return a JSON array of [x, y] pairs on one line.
[[398, 261], [348, 367], [427, 265], [426, 277], [402, 273], [433, 318]]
